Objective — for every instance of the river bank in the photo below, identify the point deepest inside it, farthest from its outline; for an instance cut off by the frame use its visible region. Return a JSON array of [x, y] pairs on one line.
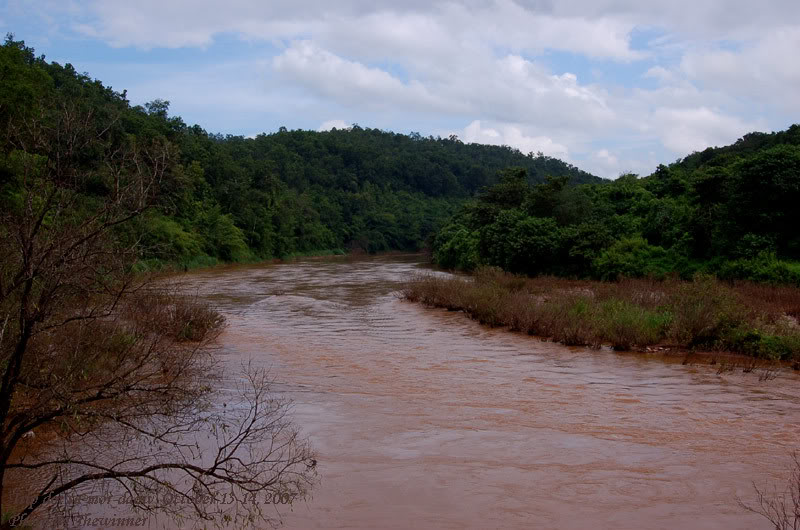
[[758, 321]]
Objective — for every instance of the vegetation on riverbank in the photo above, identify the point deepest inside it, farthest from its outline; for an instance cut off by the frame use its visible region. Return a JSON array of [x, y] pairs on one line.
[[99, 359], [237, 199], [705, 314], [729, 211]]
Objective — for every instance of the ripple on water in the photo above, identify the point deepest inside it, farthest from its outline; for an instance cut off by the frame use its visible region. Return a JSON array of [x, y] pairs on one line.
[[423, 418]]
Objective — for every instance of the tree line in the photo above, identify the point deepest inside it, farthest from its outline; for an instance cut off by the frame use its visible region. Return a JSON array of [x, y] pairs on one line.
[[291, 191], [730, 211]]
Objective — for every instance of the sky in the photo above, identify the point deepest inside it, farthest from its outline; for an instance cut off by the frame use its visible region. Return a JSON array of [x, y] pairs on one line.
[[612, 86]]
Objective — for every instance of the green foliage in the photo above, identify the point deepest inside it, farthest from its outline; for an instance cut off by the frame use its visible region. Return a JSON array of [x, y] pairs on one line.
[[519, 243], [288, 193], [764, 267], [765, 345], [456, 248], [223, 239], [24, 81], [626, 325], [632, 257], [730, 211], [166, 239]]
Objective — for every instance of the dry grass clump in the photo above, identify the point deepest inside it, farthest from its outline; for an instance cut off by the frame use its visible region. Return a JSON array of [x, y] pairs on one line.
[[629, 314], [173, 315], [776, 300]]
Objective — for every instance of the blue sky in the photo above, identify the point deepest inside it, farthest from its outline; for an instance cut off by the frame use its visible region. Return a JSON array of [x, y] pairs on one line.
[[608, 85]]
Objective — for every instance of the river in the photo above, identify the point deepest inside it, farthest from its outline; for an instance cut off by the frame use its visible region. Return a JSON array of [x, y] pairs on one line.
[[423, 418]]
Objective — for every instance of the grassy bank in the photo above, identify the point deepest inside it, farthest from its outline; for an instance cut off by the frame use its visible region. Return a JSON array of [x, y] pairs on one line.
[[751, 319]]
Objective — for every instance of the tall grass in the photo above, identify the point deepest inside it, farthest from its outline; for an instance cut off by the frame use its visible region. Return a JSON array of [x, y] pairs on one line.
[[705, 313]]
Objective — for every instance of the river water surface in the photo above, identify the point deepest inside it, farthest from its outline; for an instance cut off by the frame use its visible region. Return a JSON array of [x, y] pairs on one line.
[[423, 418]]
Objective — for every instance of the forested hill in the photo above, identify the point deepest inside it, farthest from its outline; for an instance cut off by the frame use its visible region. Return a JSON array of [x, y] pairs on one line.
[[355, 188], [234, 198], [731, 211], [348, 158], [746, 146]]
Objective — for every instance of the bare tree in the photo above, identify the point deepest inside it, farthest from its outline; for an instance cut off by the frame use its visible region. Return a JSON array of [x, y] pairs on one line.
[[111, 369], [780, 507]]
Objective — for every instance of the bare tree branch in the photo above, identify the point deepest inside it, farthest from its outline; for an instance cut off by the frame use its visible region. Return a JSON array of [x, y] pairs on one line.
[[780, 507], [115, 371]]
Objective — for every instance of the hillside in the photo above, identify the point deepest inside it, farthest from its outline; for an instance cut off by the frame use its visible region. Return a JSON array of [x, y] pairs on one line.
[[232, 198], [731, 211]]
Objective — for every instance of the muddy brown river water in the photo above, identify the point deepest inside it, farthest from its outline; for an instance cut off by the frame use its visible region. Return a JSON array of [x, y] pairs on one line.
[[425, 419]]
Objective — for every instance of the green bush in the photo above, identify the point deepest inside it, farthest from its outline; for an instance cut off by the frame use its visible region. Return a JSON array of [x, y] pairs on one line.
[[521, 244], [626, 325], [633, 258], [703, 311], [456, 247], [765, 267], [761, 344]]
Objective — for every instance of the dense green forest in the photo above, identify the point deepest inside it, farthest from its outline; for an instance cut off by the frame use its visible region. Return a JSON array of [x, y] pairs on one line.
[[232, 198], [730, 211]]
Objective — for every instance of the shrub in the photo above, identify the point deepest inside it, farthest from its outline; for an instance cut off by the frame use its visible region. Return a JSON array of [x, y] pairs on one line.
[[629, 314], [704, 310], [632, 257], [765, 267], [456, 248], [626, 325]]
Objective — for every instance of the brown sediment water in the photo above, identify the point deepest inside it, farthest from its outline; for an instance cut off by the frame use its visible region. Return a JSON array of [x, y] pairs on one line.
[[423, 418]]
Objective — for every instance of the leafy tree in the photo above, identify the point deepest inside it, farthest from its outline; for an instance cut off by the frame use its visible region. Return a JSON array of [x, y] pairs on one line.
[[631, 257], [457, 248]]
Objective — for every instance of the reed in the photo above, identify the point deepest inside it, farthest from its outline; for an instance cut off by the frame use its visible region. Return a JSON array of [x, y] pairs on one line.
[[631, 314]]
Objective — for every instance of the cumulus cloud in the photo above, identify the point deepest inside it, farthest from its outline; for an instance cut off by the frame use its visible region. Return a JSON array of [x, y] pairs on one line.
[[504, 89], [351, 82], [705, 19], [686, 130], [513, 136], [769, 66], [597, 28], [662, 74], [606, 158], [151, 23], [602, 163], [333, 124]]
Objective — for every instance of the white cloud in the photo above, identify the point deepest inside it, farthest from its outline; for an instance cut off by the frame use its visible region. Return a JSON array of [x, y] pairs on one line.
[[333, 124], [769, 67], [505, 89], [607, 158], [350, 82], [178, 23], [721, 67], [662, 74], [693, 129], [596, 28], [705, 19], [512, 136]]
